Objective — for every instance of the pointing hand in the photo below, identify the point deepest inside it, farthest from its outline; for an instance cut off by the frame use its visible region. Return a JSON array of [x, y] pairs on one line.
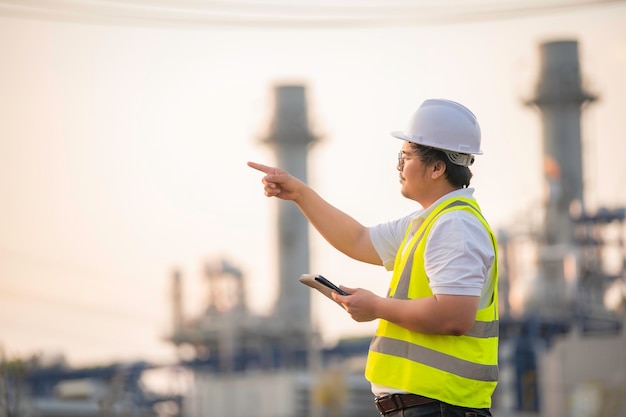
[[278, 183]]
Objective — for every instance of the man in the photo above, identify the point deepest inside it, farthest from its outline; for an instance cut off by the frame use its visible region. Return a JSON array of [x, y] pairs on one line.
[[436, 348]]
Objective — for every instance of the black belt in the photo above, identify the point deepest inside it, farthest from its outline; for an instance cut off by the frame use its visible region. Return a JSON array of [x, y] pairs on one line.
[[395, 402]]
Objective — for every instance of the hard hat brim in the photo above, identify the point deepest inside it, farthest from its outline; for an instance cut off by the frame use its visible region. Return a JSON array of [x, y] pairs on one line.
[[401, 135]]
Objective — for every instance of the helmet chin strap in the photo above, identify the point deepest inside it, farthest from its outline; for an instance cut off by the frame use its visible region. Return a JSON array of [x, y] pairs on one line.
[[462, 159]]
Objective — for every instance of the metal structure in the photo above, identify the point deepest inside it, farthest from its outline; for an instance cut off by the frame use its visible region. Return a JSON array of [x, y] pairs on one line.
[[560, 98], [228, 333], [114, 390], [570, 259], [570, 278]]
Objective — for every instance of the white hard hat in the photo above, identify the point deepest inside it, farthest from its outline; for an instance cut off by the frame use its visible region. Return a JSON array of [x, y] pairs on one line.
[[446, 125]]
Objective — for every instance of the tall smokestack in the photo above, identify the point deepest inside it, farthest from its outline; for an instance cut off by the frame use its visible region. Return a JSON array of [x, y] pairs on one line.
[[290, 138], [560, 97]]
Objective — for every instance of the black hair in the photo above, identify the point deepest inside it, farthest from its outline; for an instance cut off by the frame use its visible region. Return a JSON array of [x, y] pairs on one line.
[[457, 175]]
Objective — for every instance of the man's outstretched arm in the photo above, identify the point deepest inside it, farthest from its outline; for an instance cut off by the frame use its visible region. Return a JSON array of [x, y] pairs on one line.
[[340, 230]]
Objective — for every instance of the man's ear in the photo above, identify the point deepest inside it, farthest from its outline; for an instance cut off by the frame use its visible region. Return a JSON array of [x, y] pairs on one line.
[[439, 168]]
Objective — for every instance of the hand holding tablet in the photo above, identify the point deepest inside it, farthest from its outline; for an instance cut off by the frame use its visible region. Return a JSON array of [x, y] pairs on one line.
[[321, 284]]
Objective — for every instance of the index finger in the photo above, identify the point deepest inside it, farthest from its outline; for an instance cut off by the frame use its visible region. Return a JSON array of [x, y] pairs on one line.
[[260, 167]]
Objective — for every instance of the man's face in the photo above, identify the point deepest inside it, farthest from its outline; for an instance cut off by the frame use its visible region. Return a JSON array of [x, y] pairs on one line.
[[413, 173]]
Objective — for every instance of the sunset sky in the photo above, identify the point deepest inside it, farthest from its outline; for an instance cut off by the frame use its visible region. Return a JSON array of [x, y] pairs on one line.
[[123, 153]]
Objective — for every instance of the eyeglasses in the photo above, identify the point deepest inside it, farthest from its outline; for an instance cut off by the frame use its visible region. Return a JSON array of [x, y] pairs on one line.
[[401, 158]]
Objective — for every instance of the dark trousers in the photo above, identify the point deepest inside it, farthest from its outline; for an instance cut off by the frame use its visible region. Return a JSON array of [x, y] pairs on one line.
[[439, 409]]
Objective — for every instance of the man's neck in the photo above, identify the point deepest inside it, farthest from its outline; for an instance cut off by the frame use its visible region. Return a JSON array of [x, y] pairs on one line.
[[437, 194]]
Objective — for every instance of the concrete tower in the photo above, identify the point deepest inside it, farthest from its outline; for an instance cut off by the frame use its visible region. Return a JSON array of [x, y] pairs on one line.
[[560, 97], [290, 139]]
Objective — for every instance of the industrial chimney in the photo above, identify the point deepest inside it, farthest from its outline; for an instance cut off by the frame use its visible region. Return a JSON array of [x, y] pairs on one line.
[[290, 139], [560, 98]]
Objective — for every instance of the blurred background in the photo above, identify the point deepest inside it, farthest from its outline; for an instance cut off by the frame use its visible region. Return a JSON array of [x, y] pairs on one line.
[[143, 272]]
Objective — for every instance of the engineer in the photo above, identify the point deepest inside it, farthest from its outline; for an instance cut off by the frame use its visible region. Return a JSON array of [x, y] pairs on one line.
[[435, 352]]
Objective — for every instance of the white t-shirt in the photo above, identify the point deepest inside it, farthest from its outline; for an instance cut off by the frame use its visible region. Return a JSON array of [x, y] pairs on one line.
[[458, 257]]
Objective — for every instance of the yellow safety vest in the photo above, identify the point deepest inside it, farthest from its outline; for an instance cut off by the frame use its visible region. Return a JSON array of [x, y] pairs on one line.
[[458, 370]]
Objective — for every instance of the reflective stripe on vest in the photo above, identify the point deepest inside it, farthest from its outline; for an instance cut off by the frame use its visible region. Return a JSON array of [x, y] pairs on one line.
[[459, 370], [435, 359]]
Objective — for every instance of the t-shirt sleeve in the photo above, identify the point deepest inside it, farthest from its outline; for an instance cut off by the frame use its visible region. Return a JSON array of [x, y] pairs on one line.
[[387, 237], [459, 254]]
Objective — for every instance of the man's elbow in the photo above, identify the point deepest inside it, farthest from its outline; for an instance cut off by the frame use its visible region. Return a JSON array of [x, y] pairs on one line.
[[458, 313], [458, 327]]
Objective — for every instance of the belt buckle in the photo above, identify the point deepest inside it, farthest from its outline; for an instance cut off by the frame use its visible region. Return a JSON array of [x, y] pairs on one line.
[[381, 404]]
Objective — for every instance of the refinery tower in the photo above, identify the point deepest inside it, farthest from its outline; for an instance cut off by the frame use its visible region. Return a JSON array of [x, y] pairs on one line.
[[228, 335]]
